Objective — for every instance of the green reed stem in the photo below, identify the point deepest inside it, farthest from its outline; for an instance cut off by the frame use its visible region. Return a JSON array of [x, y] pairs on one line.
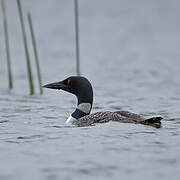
[[35, 51], [77, 36], [5, 22], [29, 71]]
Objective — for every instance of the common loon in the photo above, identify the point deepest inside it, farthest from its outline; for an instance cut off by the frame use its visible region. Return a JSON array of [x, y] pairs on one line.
[[81, 87]]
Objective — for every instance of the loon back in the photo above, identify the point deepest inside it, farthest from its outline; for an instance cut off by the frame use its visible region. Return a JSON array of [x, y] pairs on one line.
[[119, 116], [82, 89]]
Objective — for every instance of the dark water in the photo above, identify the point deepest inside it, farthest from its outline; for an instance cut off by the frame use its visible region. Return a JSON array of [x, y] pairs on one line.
[[130, 52]]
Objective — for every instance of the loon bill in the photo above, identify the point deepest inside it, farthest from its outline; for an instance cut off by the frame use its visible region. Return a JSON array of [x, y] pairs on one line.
[[81, 87]]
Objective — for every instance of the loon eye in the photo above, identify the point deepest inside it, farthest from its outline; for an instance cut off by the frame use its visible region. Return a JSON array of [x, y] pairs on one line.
[[69, 81]]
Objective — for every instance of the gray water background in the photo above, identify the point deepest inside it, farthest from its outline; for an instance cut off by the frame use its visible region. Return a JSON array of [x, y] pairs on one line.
[[130, 53]]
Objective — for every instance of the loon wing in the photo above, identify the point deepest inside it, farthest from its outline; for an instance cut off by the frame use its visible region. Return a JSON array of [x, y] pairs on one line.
[[154, 121], [119, 116], [103, 117], [130, 115]]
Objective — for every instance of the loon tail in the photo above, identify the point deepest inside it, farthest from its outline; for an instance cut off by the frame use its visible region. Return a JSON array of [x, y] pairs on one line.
[[154, 121]]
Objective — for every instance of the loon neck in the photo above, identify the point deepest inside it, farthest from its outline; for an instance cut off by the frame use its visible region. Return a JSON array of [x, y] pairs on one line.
[[81, 110]]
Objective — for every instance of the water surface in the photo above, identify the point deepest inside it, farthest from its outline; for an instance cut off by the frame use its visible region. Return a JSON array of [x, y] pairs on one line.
[[130, 53]]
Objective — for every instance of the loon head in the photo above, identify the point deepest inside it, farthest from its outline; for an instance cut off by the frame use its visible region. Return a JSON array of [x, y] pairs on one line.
[[82, 89]]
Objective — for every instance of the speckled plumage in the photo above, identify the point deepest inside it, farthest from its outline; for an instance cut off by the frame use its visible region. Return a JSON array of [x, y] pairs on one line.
[[119, 116]]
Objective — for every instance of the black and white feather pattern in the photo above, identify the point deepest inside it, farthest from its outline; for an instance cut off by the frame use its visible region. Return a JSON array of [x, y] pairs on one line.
[[119, 116]]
